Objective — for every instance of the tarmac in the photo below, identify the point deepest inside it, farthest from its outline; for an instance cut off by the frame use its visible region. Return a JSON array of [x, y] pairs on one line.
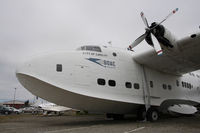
[[27, 123]]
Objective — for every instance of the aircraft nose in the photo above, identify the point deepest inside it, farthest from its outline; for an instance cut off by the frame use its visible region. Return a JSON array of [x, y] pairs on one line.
[[45, 68], [33, 74], [23, 68], [42, 67], [37, 67], [23, 71], [29, 67]]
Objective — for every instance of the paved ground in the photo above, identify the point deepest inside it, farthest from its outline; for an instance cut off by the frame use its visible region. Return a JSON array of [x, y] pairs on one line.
[[95, 124]]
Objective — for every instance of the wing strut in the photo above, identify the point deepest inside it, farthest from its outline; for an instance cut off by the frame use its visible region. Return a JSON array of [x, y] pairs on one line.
[[146, 92]]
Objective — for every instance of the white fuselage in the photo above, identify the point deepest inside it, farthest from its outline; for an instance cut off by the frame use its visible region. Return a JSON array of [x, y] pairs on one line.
[[76, 84]]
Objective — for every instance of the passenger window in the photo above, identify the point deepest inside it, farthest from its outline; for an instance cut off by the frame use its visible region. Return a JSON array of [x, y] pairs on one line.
[[136, 86], [128, 85], [177, 83], [182, 84], [190, 86], [151, 84], [114, 54], [169, 87], [164, 86], [59, 67], [101, 81], [112, 83]]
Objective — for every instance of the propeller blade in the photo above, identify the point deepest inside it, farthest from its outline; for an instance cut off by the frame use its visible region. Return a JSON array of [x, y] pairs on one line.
[[138, 40], [169, 15], [144, 20], [157, 47]]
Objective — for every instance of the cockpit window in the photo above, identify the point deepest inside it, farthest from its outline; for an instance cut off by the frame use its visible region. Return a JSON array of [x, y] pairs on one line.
[[90, 48]]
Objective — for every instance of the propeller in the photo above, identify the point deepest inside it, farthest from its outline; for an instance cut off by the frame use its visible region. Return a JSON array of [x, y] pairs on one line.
[[150, 33]]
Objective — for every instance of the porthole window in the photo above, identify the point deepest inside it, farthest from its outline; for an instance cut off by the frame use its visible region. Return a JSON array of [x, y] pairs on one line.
[[136, 86], [182, 84], [193, 35], [190, 86], [59, 67], [128, 85], [164, 86], [169, 87], [101, 81], [114, 54], [112, 83], [187, 85], [151, 84]]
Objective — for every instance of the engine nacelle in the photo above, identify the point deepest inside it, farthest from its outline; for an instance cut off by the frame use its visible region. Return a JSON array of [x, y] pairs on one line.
[[164, 36], [170, 37]]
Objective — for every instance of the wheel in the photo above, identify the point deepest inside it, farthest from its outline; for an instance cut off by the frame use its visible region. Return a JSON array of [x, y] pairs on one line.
[[152, 114], [141, 113], [6, 113]]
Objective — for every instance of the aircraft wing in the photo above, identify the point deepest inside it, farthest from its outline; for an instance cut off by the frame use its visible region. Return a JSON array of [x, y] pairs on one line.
[[184, 57], [56, 108]]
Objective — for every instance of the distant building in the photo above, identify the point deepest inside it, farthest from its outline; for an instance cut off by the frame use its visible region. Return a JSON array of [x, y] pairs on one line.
[[16, 104]]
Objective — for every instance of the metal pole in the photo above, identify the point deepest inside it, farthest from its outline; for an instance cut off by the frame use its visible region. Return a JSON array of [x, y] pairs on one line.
[[14, 97]]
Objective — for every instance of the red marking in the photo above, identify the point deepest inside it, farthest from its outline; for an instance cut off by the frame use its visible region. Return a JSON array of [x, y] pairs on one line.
[[159, 51], [174, 11], [142, 14], [130, 47]]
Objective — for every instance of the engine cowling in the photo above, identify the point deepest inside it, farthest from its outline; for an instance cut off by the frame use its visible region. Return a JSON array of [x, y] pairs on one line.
[[163, 35]]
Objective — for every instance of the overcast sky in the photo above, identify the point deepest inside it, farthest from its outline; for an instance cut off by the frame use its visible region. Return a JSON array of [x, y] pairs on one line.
[[31, 27]]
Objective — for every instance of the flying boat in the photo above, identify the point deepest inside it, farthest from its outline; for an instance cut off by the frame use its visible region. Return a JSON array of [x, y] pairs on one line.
[[121, 81]]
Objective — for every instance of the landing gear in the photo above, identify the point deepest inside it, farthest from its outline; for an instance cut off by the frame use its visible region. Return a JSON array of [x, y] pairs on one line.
[[152, 114]]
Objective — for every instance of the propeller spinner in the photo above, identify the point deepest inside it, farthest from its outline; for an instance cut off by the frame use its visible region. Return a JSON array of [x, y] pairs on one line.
[[150, 33]]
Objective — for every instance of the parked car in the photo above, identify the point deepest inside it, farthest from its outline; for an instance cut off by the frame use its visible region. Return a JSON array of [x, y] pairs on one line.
[[5, 110], [14, 110]]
